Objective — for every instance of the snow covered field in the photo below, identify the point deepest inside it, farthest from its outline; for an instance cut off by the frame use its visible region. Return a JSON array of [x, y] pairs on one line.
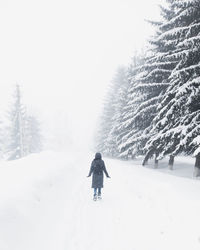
[[46, 204]]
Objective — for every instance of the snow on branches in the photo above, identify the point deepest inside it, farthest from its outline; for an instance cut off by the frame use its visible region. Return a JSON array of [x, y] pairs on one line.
[[161, 111]]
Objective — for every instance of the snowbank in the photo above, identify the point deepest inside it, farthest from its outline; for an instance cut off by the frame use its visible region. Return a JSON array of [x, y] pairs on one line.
[[29, 194]]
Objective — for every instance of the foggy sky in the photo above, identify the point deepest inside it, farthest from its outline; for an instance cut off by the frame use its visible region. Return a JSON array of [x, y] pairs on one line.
[[64, 53]]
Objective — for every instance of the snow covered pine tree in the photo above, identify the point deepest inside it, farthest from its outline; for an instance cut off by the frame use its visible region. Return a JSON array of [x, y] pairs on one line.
[[17, 126], [24, 130], [149, 82], [111, 116], [176, 126]]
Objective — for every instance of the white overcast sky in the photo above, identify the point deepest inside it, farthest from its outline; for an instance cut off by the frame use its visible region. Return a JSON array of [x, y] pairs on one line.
[[65, 52]]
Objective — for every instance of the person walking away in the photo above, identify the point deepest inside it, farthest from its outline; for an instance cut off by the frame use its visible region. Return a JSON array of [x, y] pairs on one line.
[[96, 170]]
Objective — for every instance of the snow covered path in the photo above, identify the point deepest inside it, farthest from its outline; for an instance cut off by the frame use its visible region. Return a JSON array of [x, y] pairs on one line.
[[141, 209], [50, 207]]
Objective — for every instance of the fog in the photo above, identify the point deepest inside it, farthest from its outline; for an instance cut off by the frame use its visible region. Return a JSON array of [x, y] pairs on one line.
[[64, 54]]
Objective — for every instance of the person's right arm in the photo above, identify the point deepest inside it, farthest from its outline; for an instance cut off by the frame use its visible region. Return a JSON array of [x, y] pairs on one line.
[[91, 170]]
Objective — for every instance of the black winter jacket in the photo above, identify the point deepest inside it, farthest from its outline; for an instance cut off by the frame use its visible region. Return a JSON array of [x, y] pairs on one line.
[[97, 178]]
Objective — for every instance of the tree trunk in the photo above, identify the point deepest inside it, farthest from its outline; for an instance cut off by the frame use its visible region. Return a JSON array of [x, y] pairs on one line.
[[171, 162], [133, 157], [197, 166], [145, 161], [147, 157], [156, 161]]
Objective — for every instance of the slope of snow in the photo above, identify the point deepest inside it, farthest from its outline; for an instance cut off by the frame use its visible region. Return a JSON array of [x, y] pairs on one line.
[[46, 203]]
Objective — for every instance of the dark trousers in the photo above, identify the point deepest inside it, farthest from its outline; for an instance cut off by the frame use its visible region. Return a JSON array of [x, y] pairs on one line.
[[95, 191]]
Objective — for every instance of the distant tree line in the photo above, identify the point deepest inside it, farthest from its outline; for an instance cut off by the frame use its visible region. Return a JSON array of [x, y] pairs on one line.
[[20, 135], [153, 105]]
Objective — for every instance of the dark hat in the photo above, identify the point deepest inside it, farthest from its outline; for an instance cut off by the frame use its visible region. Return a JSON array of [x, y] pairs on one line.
[[98, 156]]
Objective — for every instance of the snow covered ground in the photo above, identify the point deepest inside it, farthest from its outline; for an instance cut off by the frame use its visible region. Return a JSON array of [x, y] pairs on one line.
[[46, 204]]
